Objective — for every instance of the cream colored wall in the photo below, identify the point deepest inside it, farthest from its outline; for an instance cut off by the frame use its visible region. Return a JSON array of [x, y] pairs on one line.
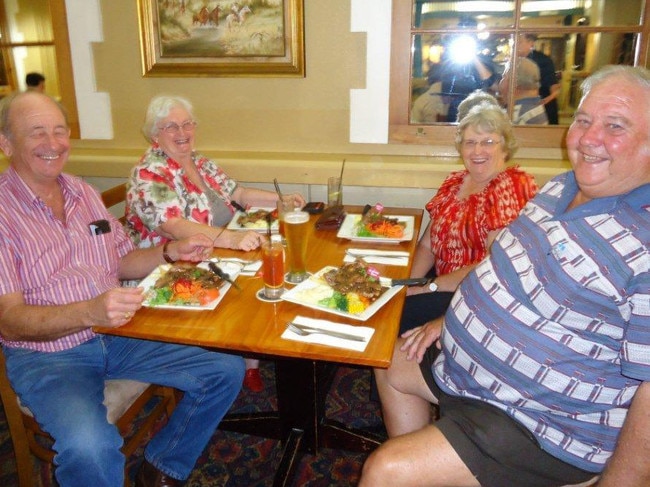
[[296, 129]]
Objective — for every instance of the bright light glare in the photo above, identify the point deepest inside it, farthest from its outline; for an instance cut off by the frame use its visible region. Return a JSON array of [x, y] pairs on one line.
[[501, 6], [462, 49]]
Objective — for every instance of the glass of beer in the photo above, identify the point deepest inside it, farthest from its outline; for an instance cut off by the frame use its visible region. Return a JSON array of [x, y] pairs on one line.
[[296, 224], [273, 268]]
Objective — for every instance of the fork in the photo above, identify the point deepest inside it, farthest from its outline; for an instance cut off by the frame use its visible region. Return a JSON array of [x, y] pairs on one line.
[[303, 330], [375, 254]]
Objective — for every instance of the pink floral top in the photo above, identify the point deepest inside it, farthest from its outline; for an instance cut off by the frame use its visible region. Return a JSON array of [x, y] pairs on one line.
[[159, 189], [459, 228]]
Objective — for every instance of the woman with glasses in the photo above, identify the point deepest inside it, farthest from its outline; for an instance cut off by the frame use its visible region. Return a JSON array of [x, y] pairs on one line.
[[175, 191], [468, 210]]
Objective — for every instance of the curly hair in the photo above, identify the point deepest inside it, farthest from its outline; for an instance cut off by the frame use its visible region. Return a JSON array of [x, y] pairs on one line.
[[488, 118]]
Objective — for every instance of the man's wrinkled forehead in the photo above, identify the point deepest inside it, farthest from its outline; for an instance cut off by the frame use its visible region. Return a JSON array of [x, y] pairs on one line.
[[35, 112], [619, 97]]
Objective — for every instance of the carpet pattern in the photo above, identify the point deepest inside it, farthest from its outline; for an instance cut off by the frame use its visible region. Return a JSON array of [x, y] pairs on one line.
[[238, 460]]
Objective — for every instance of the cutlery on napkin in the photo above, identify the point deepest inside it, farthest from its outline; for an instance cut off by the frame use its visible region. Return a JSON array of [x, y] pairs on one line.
[[362, 334], [371, 256]]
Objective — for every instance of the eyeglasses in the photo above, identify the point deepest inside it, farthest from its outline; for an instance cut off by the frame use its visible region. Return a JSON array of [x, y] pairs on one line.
[[485, 144], [174, 128]]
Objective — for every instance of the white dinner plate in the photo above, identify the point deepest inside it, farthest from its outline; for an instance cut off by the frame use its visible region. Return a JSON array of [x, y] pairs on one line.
[[258, 226], [148, 282], [349, 229], [309, 292]]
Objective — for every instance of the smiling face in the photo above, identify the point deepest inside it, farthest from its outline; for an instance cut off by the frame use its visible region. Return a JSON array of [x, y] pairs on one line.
[[483, 154], [176, 134], [39, 141], [609, 140]]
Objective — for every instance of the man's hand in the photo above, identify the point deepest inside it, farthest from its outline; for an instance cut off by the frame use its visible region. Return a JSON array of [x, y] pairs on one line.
[[194, 249], [419, 339], [116, 307]]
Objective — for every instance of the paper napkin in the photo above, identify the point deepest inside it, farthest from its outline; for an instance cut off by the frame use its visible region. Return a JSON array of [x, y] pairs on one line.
[[325, 325], [251, 269], [372, 256]]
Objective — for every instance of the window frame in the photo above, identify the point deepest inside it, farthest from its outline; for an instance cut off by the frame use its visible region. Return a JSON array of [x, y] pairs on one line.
[[61, 45], [401, 131]]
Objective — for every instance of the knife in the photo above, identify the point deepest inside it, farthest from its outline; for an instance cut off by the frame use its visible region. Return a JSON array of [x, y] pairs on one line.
[[413, 281], [237, 206], [389, 254], [220, 272]]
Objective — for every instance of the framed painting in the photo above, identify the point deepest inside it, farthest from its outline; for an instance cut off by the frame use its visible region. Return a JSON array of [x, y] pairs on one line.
[[222, 38]]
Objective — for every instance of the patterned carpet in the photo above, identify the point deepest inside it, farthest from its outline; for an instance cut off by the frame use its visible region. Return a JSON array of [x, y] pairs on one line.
[[237, 460]]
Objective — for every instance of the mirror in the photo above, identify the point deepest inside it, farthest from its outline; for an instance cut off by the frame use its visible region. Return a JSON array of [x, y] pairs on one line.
[[458, 47]]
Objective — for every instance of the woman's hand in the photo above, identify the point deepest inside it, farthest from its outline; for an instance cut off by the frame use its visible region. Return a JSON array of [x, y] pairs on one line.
[[298, 200], [245, 241], [419, 339], [411, 290]]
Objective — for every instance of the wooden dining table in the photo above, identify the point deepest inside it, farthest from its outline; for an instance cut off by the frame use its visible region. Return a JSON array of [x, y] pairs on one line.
[[303, 371]]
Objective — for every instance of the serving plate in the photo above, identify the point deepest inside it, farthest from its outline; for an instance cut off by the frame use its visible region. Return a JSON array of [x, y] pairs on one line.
[[258, 226], [148, 283], [349, 229], [309, 292]]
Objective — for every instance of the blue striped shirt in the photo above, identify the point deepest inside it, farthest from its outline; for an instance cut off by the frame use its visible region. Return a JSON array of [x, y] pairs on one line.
[[554, 326], [52, 263]]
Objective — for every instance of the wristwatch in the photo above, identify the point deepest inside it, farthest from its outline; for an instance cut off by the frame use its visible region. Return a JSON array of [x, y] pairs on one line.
[[433, 286]]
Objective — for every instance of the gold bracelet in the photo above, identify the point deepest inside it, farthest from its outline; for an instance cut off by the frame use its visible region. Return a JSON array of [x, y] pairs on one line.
[[166, 256]]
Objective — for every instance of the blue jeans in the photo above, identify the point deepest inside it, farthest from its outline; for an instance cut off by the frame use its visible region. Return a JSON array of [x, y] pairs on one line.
[[65, 389]]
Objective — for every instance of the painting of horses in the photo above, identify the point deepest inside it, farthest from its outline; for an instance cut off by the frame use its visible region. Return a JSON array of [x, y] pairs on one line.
[[222, 37]]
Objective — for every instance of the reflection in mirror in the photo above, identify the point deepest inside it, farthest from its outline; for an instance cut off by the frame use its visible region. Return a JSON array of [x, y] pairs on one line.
[[460, 54], [431, 14]]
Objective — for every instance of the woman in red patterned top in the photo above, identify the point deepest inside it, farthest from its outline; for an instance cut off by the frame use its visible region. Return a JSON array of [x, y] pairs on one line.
[[468, 210]]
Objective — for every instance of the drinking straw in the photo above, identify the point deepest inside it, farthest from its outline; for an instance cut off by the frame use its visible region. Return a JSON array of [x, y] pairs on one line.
[[277, 187], [268, 225], [341, 176]]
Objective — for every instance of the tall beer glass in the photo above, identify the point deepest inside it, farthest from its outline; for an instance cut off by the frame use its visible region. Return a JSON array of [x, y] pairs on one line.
[[296, 224]]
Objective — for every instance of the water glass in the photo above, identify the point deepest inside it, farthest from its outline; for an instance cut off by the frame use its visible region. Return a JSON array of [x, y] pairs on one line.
[[284, 205], [334, 191]]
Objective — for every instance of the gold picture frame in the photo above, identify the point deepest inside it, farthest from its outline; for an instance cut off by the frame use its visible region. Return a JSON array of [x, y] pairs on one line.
[[222, 38]]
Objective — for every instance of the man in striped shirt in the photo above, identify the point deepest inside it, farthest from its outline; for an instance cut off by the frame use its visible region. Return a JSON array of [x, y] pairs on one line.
[[541, 368], [62, 256]]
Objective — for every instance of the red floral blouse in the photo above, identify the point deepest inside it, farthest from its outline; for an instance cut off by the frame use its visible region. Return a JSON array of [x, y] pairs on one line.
[[459, 228]]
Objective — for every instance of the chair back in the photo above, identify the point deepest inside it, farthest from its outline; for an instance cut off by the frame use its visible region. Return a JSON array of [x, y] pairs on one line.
[[114, 196]]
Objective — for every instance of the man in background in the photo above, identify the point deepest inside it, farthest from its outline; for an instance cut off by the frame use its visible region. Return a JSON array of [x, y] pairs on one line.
[[549, 88], [528, 108], [35, 82]]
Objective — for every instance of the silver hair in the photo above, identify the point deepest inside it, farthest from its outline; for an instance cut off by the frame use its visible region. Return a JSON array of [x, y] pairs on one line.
[[159, 108], [490, 119], [635, 74], [527, 74], [475, 98]]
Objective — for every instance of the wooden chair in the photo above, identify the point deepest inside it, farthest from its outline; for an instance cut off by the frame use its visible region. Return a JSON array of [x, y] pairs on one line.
[[124, 399], [115, 196]]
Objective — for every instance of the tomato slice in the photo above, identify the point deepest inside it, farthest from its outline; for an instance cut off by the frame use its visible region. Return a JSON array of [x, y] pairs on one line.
[[206, 296]]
